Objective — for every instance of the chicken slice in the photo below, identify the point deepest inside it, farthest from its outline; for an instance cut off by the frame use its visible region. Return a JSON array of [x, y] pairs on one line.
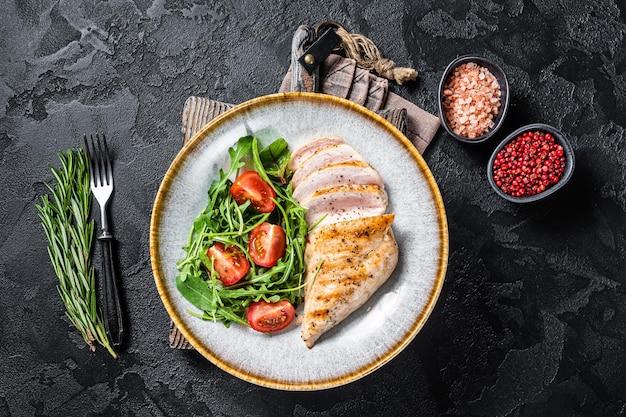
[[344, 173], [309, 148], [357, 257], [344, 202], [328, 155]]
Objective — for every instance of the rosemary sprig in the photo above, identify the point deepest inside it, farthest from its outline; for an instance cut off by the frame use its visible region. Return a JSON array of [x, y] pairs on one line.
[[65, 220]]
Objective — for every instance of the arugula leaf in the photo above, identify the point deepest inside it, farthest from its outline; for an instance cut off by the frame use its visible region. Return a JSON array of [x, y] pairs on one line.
[[275, 158], [196, 291]]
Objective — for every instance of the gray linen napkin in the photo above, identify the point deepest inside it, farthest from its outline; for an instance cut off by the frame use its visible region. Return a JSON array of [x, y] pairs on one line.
[[341, 77]]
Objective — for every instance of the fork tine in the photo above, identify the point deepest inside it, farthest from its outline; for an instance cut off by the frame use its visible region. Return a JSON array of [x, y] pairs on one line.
[[100, 166], [91, 155], [106, 161], [97, 164]]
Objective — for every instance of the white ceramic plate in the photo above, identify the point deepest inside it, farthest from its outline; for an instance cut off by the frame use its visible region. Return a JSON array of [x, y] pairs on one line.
[[376, 332]]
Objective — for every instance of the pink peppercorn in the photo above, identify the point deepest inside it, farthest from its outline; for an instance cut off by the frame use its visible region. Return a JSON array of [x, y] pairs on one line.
[[529, 164]]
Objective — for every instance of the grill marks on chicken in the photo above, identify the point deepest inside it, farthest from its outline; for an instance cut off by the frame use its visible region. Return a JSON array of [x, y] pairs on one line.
[[352, 239], [357, 258]]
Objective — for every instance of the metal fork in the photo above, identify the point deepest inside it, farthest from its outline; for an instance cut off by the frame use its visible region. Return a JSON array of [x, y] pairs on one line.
[[101, 175]]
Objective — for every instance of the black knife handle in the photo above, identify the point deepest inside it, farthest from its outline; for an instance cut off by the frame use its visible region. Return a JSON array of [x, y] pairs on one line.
[[113, 320]]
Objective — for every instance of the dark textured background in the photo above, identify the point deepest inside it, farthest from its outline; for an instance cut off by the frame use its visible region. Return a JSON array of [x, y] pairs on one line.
[[532, 317]]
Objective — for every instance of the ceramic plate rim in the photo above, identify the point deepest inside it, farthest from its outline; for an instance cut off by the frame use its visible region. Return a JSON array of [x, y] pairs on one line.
[[157, 213]]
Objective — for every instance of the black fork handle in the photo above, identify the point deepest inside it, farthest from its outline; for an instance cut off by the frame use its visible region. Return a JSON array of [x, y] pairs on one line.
[[113, 320]]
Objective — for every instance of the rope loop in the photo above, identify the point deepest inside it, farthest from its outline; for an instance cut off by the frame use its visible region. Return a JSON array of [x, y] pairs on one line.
[[367, 55]]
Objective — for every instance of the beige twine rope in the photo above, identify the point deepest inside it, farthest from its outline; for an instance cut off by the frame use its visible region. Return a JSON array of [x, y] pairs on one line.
[[367, 56]]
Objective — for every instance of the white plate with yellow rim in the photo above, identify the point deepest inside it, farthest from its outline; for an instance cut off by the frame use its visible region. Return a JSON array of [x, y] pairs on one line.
[[388, 321]]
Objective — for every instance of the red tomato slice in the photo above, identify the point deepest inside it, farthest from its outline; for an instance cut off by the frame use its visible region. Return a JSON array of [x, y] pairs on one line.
[[270, 317], [229, 262], [250, 186], [267, 244]]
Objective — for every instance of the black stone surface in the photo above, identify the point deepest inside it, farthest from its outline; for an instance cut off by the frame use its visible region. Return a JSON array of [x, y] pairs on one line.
[[532, 317]]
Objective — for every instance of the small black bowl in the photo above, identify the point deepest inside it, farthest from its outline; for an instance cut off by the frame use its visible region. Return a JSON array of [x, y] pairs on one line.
[[504, 95], [570, 162]]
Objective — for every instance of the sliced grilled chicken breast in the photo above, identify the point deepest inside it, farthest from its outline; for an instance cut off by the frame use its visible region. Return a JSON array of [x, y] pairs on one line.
[[357, 257], [344, 173], [323, 157], [353, 241], [309, 148], [344, 202]]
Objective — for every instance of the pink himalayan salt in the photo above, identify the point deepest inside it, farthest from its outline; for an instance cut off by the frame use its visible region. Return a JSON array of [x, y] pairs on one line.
[[471, 100]]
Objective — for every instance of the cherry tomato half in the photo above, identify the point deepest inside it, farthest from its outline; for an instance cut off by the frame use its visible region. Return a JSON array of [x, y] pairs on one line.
[[267, 244], [229, 262], [250, 186], [270, 317]]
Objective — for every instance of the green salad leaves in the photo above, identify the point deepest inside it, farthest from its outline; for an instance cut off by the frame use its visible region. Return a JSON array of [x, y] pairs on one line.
[[225, 221]]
